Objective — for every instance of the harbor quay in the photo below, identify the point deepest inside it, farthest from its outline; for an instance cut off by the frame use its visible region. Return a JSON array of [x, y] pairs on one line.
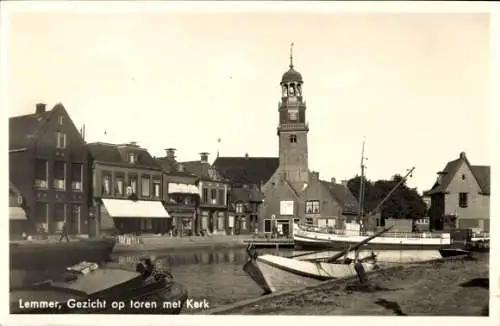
[[133, 244], [427, 288]]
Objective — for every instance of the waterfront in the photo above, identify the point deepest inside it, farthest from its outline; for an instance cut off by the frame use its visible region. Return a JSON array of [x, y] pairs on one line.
[[216, 274]]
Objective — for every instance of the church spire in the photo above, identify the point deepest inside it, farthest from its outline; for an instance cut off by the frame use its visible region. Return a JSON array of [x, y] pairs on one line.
[[291, 55]]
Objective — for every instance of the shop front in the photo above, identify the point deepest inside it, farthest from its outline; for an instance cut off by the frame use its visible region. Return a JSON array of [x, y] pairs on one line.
[[134, 217]]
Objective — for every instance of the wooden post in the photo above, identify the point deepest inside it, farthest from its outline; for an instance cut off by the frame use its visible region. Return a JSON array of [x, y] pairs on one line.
[[360, 270]]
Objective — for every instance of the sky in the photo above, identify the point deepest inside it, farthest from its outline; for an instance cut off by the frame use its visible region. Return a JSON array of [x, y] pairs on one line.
[[414, 86]]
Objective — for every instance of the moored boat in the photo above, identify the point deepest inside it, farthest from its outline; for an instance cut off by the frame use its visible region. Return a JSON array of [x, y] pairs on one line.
[[28, 255], [86, 288], [307, 237], [275, 273]]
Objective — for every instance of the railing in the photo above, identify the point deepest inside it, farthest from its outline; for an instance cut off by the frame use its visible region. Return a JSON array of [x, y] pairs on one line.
[[41, 184], [406, 235], [128, 240], [283, 126]]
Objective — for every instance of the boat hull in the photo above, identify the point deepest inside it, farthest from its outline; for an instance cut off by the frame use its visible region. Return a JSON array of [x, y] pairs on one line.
[[275, 274], [37, 256], [338, 243]]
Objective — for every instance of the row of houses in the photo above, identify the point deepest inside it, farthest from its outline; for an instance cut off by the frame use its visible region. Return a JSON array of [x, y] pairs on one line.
[[56, 176]]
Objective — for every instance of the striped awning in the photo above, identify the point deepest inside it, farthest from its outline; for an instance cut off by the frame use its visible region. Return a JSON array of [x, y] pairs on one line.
[[17, 214]]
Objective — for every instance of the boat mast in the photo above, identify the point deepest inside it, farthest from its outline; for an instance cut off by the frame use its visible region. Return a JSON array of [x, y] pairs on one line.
[[362, 183], [393, 189], [361, 198]]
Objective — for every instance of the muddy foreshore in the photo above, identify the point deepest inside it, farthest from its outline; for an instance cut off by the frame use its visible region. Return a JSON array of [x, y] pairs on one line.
[[437, 288]]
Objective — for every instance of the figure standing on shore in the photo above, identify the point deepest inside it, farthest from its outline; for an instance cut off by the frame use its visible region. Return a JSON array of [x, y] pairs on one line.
[[64, 232]]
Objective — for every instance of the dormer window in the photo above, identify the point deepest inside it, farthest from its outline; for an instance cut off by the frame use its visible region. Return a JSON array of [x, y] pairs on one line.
[[131, 158]]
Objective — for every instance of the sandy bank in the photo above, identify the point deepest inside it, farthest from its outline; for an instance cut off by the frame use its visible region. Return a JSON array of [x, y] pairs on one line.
[[432, 288]]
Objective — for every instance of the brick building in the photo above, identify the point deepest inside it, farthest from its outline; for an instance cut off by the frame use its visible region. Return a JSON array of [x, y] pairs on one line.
[[460, 197], [181, 195], [213, 215], [127, 190], [291, 191], [49, 168], [246, 176]]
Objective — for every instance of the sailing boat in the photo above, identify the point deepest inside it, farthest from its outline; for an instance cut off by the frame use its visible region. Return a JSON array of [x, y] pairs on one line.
[[308, 237], [275, 273]]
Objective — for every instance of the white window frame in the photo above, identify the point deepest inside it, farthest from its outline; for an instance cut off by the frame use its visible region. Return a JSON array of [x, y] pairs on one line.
[[287, 207], [156, 188], [61, 140], [313, 207]]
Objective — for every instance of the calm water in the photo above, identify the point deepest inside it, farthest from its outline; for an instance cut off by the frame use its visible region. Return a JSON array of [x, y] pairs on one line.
[[217, 275]]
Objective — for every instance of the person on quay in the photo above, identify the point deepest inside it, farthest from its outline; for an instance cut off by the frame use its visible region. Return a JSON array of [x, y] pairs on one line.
[[64, 232]]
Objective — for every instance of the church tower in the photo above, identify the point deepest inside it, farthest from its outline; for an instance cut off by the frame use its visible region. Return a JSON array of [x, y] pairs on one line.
[[292, 128]]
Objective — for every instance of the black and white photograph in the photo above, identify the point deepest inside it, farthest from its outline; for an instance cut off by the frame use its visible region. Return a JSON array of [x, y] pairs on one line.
[[225, 158]]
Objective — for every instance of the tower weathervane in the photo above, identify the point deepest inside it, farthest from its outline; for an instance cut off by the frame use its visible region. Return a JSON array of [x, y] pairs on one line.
[[291, 55]]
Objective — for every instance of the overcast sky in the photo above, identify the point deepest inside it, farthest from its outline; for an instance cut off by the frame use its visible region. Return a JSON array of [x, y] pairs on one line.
[[414, 85]]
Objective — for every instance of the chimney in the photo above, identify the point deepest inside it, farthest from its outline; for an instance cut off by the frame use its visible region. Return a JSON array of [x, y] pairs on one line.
[[333, 180], [344, 182], [204, 157], [133, 143], [462, 155], [40, 108], [170, 153]]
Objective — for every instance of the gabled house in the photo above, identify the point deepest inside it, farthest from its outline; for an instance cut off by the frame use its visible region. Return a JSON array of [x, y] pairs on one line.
[[213, 215], [48, 165], [460, 197], [127, 190], [181, 196], [246, 176]]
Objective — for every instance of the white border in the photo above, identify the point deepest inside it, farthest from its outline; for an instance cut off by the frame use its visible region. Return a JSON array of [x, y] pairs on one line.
[[263, 6]]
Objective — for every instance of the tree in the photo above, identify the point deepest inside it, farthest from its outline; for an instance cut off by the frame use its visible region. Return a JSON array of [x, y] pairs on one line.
[[404, 202]]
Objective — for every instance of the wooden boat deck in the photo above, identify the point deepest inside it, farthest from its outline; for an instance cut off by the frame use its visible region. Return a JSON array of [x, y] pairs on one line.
[[262, 243]]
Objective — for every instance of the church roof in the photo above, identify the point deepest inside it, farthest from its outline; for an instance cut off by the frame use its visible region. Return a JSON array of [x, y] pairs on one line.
[[246, 170]]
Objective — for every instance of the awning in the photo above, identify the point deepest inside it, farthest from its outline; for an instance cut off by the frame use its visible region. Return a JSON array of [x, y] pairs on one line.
[[180, 188], [135, 209], [17, 214]]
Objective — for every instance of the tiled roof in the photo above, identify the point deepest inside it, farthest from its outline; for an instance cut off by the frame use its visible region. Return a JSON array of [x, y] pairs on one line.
[[25, 128], [171, 167], [480, 172], [246, 195], [202, 170], [247, 170], [112, 153], [342, 195]]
